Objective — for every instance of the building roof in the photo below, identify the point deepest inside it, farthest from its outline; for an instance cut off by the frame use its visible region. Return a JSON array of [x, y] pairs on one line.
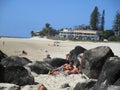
[[79, 31]]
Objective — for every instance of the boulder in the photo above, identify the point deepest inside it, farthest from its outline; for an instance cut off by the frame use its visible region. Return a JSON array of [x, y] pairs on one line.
[[2, 55], [18, 75], [86, 85], [94, 59], [40, 67], [2, 69], [113, 87], [74, 53], [110, 74], [15, 61], [57, 62], [8, 86]]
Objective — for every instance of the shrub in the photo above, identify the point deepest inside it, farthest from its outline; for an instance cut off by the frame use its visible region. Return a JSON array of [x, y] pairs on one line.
[[114, 38]]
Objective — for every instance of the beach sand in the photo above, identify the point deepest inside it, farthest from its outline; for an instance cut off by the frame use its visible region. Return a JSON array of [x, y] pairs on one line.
[[36, 47], [36, 50]]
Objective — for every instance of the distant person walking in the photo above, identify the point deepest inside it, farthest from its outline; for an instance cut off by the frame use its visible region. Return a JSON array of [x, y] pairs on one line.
[[3, 44]]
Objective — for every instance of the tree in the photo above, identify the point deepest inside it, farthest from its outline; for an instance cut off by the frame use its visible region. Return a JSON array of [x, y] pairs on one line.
[[116, 26], [48, 31], [32, 34], [114, 38], [107, 33], [94, 21], [102, 20], [82, 27]]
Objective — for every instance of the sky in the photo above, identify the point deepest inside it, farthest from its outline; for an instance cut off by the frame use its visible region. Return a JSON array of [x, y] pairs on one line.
[[20, 17]]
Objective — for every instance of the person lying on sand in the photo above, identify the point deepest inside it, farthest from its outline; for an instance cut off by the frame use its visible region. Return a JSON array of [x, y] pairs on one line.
[[66, 69], [61, 69], [74, 70]]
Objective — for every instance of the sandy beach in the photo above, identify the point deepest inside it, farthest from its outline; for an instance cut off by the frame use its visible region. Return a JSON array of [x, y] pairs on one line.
[[36, 47], [36, 50]]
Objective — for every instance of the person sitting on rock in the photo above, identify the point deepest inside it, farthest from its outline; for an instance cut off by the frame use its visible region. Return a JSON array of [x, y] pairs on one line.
[[48, 56], [67, 56], [24, 52], [80, 57]]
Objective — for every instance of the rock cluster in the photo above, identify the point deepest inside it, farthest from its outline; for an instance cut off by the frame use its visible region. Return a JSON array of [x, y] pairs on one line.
[[100, 65]]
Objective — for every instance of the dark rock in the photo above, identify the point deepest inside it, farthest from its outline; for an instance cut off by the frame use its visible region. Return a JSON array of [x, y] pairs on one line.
[[110, 74], [40, 67], [18, 75], [111, 87], [88, 85], [2, 69], [15, 61], [47, 60], [74, 53], [2, 55], [107, 87], [117, 82], [94, 59], [57, 62]]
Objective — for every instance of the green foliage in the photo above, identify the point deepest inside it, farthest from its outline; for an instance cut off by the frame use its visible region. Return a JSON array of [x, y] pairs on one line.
[[46, 31], [114, 38], [32, 33], [116, 25], [94, 21], [82, 27], [106, 34], [102, 20], [57, 38]]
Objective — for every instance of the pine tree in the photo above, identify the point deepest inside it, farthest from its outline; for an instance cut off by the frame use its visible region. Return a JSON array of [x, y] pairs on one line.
[[94, 21], [32, 34], [116, 26], [102, 20], [117, 22]]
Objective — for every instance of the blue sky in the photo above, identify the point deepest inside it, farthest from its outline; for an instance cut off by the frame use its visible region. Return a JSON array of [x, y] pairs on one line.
[[20, 17]]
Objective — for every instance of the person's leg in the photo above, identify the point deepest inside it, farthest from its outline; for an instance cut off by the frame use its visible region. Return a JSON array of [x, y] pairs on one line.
[[55, 73], [42, 87], [67, 72]]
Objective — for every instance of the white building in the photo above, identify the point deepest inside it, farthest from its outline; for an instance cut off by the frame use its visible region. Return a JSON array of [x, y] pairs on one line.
[[79, 34]]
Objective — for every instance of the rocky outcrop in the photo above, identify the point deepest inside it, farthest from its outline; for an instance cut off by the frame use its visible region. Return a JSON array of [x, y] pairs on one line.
[[110, 74], [2, 69], [15, 61], [111, 87], [74, 53], [2, 55], [57, 62], [18, 75], [98, 62], [40, 67], [87, 85], [94, 59]]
